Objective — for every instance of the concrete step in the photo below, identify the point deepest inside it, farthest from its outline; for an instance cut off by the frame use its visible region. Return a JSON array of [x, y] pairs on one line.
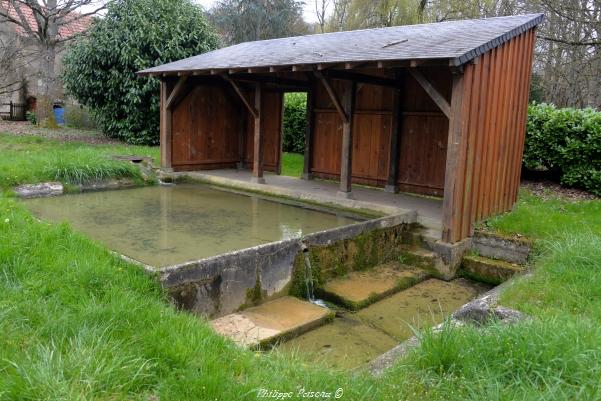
[[487, 270], [423, 237], [361, 288], [272, 321], [425, 304], [419, 257]]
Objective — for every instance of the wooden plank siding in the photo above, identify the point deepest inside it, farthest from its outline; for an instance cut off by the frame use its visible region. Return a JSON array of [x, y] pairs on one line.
[[493, 116], [204, 134], [211, 129], [472, 158], [422, 142]]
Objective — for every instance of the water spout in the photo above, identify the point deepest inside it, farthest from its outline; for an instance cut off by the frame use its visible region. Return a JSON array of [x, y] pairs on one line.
[[166, 183], [309, 280]]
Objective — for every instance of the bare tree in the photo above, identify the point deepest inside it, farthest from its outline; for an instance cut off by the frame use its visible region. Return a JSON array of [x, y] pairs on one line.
[[11, 60], [45, 25], [339, 17], [321, 8]]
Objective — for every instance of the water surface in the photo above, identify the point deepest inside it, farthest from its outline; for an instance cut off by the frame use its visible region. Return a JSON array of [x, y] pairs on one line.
[[165, 225], [354, 339]]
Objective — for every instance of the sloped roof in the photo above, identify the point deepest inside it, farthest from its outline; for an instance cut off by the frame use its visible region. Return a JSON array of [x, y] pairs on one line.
[[458, 41]]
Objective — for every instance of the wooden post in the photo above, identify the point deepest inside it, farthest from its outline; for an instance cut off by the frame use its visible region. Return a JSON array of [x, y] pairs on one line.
[[346, 157], [257, 175], [395, 137], [451, 205], [165, 126], [309, 134]]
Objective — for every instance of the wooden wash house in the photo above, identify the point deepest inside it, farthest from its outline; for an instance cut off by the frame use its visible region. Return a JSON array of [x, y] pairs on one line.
[[435, 109]]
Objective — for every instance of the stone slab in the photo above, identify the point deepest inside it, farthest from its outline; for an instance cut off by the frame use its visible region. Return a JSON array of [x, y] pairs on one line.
[[425, 304], [488, 270], [39, 190], [274, 320], [346, 343], [512, 250], [361, 288]]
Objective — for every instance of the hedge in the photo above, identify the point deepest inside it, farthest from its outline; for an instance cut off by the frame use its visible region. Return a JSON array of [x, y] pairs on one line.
[[295, 120], [567, 143]]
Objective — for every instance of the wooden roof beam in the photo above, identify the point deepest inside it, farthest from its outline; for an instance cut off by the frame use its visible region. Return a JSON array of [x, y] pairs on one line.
[[436, 96], [333, 96], [303, 67], [270, 80], [240, 94], [362, 78], [175, 92]]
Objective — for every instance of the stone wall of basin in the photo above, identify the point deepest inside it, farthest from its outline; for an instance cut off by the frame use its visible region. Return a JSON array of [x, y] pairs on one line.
[[225, 283]]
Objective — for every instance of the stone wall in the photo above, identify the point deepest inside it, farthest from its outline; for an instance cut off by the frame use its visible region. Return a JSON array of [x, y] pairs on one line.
[[225, 283]]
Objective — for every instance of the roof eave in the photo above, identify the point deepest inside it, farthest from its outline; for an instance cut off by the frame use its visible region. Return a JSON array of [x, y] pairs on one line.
[[478, 51]]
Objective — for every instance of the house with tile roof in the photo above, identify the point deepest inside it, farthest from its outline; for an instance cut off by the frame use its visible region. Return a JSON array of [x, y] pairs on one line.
[[21, 81]]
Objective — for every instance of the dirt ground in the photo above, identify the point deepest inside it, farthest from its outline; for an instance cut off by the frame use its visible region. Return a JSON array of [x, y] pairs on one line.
[[549, 189], [64, 133]]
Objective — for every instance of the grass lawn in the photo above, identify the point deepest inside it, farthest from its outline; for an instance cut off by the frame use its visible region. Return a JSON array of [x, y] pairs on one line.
[[78, 324], [29, 159], [292, 164]]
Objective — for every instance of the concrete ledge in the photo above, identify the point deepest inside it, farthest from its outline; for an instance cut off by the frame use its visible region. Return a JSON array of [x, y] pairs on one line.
[[224, 283], [509, 249], [285, 192], [488, 270]]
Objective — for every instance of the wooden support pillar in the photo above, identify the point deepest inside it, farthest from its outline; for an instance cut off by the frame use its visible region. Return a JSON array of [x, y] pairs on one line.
[[346, 157], [395, 137], [456, 151], [309, 134], [257, 174], [165, 129]]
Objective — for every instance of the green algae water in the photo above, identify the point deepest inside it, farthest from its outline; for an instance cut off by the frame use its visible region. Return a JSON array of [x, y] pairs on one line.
[[166, 225], [354, 339]]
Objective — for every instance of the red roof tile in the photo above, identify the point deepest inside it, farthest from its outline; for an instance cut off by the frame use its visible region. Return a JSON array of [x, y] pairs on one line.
[[77, 25]]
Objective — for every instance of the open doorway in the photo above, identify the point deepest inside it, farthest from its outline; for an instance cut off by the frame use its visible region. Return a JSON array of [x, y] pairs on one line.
[[294, 127]]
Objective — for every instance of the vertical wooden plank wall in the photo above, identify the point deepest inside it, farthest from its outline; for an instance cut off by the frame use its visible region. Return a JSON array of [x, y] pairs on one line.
[[204, 130], [272, 105], [495, 102], [421, 146]]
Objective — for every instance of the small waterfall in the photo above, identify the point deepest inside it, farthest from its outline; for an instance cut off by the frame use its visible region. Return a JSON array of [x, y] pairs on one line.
[[309, 280], [165, 183]]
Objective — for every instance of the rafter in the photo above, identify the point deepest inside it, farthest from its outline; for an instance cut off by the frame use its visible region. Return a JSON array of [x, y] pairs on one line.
[[177, 90], [332, 94], [240, 94], [435, 95]]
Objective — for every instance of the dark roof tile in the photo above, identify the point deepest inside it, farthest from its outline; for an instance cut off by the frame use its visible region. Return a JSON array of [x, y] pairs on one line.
[[459, 41]]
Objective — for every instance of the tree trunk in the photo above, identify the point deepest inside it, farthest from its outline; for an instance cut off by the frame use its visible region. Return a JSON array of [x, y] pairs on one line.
[[48, 91]]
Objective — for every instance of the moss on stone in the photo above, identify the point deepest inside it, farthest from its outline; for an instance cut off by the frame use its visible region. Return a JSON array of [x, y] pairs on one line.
[[338, 259], [487, 270], [256, 294]]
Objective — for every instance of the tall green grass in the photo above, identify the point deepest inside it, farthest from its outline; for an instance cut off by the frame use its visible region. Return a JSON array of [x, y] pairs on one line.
[[30, 159], [79, 324], [548, 218]]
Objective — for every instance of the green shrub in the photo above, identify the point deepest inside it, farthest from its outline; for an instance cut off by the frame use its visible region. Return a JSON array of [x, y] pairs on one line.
[[295, 121], [567, 143], [100, 67], [31, 117], [77, 116]]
